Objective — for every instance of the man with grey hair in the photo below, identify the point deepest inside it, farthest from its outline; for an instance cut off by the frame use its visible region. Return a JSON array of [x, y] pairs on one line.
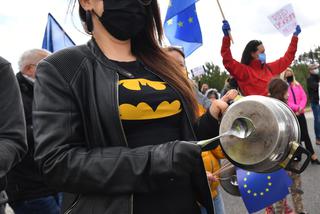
[[26, 189], [12, 126]]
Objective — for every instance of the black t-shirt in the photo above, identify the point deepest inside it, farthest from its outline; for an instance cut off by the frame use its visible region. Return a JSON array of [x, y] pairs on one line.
[[148, 108], [150, 111]]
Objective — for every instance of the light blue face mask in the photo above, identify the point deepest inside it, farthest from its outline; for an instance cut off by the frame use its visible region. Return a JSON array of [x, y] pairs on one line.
[[262, 58]]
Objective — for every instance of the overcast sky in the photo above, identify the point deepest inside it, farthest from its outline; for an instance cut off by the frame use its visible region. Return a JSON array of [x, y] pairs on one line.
[[22, 25]]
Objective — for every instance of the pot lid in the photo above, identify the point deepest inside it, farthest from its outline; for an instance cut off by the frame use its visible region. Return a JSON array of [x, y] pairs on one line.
[[261, 144]]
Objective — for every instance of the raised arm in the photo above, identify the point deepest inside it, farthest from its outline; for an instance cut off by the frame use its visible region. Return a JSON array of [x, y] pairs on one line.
[[235, 68], [284, 62]]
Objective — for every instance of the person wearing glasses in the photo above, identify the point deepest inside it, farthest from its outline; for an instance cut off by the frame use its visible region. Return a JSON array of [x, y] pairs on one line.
[[115, 121], [253, 73]]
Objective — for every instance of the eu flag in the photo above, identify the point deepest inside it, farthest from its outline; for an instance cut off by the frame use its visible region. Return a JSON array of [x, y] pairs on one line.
[[55, 38], [261, 190], [177, 6], [182, 25]]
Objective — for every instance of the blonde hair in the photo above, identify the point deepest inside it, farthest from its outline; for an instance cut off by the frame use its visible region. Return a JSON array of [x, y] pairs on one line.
[[283, 76]]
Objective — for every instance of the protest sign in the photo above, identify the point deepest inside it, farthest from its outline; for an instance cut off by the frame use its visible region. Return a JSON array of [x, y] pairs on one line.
[[284, 20], [198, 71]]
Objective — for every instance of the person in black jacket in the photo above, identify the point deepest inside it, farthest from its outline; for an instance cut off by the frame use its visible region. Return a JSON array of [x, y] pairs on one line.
[[314, 91], [26, 189], [112, 117], [12, 126]]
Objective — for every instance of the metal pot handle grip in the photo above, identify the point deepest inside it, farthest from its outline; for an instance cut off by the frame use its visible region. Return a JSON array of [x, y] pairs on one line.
[[298, 153]]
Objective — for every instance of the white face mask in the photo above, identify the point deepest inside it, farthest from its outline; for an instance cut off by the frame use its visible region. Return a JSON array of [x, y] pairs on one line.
[[315, 71]]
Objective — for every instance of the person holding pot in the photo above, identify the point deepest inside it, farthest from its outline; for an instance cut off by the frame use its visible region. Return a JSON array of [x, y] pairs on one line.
[[279, 89], [112, 117], [253, 73], [297, 101], [211, 158], [314, 93]]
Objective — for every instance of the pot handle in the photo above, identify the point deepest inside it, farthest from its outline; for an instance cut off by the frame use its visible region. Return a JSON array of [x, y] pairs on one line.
[[291, 166]]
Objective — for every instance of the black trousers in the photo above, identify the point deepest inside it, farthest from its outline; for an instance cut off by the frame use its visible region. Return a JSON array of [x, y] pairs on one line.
[[304, 133]]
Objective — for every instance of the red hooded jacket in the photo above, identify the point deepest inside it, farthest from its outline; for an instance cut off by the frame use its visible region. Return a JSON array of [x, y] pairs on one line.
[[253, 79]]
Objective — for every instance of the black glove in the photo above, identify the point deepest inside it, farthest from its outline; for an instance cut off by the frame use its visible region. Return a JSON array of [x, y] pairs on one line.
[[174, 159]]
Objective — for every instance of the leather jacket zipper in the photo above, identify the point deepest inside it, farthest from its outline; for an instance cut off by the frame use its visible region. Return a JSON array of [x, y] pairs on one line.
[[122, 130]]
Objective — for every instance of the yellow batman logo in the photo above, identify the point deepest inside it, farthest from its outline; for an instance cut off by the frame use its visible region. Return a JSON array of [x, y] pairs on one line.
[[144, 112], [135, 84]]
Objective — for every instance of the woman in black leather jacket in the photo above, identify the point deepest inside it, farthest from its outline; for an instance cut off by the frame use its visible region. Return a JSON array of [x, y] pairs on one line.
[[112, 117]]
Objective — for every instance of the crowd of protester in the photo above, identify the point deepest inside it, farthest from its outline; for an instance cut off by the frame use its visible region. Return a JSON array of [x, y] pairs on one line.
[[113, 122]]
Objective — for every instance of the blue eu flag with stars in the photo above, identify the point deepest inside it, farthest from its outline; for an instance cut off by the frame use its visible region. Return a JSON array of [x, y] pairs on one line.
[[182, 26], [261, 190], [55, 38]]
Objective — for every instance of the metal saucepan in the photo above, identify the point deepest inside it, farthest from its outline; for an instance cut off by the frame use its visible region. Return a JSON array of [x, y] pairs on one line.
[[275, 142]]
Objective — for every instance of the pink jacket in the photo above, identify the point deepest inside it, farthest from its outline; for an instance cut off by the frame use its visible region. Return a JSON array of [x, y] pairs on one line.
[[300, 95]]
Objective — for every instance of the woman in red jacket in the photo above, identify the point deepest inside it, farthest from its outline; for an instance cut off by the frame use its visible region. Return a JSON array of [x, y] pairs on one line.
[[253, 73]]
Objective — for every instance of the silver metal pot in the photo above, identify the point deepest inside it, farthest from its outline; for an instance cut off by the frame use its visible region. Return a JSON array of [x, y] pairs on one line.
[[275, 142]]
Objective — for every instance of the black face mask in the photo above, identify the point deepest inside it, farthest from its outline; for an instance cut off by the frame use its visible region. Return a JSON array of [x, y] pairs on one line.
[[290, 79], [123, 19]]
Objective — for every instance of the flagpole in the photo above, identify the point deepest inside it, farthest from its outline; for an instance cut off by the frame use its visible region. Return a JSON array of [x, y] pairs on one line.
[[224, 18]]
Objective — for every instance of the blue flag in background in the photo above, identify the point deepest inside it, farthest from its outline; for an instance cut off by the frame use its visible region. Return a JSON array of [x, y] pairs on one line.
[[261, 190], [182, 26], [55, 38], [177, 6]]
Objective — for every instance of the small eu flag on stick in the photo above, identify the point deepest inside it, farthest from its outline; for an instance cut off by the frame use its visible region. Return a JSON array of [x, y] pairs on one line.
[[262, 190]]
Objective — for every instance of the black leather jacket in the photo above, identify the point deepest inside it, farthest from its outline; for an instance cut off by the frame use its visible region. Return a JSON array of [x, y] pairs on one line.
[[24, 180], [79, 140], [13, 144]]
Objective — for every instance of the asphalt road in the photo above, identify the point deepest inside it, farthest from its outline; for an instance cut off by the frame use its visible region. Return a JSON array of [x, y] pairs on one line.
[[310, 185]]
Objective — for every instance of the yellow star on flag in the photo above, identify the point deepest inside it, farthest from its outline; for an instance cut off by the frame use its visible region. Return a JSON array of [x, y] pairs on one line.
[[180, 24], [190, 20], [170, 22]]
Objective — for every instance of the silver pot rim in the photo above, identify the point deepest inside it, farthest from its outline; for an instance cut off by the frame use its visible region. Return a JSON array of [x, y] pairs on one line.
[[278, 151]]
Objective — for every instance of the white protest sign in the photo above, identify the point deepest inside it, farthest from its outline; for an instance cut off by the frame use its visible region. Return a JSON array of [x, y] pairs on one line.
[[198, 71], [284, 20]]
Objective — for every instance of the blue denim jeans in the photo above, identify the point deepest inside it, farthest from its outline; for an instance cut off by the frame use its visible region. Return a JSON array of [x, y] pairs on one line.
[[218, 205], [44, 205], [316, 114]]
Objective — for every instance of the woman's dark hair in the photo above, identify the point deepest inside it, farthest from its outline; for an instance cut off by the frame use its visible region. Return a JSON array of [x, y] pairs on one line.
[[146, 46], [250, 48], [277, 89]]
